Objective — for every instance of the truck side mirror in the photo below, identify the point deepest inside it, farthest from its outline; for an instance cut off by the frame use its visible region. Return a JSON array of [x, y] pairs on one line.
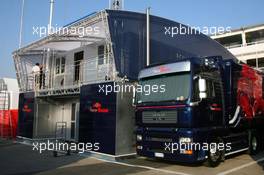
[[202, 88]]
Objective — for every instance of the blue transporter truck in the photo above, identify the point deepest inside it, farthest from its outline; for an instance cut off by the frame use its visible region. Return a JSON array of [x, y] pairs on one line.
[[210, 108]]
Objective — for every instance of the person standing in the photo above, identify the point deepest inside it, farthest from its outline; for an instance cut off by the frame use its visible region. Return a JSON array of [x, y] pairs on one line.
[[35, 72]]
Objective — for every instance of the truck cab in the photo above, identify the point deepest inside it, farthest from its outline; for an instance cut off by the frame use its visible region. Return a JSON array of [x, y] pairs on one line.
[[189, 120]]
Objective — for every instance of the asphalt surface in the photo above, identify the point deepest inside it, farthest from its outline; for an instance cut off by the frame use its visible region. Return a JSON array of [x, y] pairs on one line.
[[21, 160]]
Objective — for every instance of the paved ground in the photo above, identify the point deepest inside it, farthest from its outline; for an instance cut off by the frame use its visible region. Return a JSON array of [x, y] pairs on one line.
[[20, 159]]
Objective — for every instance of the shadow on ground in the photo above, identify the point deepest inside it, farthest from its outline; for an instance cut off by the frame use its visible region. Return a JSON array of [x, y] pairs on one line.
[[102, 168], [21, 159]]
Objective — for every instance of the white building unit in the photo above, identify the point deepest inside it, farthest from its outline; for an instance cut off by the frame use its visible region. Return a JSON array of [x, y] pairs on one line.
[[246, 43]]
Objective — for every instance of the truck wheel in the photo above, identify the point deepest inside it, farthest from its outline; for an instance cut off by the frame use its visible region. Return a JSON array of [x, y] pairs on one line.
[[253, 143], [215, 156], [262, 142]]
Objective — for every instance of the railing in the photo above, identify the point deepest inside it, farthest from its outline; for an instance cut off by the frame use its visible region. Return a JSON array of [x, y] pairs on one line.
[[255, 42], [50, 82], [3, 86], [241, 45], [4, 100], [233, 46]]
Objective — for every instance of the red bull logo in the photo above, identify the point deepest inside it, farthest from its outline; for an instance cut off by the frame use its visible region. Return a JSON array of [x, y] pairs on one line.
[[161, 69], [97, 107], [26, 109]]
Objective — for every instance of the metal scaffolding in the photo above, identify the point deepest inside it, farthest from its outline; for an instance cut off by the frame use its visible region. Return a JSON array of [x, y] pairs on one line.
[[47, 50]]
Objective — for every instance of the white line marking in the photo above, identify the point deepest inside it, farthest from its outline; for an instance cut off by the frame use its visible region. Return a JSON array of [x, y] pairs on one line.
[[236, 151], [241, 167], [144, 167], [117, 156]]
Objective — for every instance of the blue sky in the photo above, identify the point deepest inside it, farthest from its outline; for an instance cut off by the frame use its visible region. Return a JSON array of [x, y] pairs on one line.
[[234, 13]]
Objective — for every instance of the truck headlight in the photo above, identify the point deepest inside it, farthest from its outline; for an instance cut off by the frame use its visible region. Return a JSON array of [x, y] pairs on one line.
[[185, 140], [139, 147], [139, 137]]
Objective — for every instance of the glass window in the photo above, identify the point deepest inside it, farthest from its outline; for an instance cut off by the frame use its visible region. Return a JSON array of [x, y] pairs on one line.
[[57, 65], [175, 86], [101, 54], [62, 64], [252, 62], [230, 41], [261, 62], [218, 90], [78, 58], [255, 36], [210, 89]]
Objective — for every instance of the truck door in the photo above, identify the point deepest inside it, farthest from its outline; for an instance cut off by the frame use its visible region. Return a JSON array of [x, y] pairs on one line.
[[215, 102], [74, 135]]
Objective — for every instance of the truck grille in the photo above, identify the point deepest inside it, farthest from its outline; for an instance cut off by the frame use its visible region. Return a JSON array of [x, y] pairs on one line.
[[162, 117]]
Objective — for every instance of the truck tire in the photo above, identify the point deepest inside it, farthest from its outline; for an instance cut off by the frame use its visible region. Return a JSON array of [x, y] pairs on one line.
[[254, 143], [261, 140], [215, 156]]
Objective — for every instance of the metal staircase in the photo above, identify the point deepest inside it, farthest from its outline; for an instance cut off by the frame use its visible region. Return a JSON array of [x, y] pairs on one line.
[[108, 43]]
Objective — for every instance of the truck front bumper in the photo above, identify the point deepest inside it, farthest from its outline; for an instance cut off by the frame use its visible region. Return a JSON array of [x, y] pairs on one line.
[[165, 145], [177, 157]]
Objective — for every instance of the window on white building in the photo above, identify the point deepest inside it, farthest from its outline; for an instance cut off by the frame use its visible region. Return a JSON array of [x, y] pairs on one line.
[[252, 62], [255, 36], [60, 65], [101, 54], [261, 62], [256, 62], [231, 41]]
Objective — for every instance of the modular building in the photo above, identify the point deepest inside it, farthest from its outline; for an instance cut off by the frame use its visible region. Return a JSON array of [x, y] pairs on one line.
[[8, 107], [68, 93], [246, 44]]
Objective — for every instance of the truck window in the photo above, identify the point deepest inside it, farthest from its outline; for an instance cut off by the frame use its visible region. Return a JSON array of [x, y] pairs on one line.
[[210, 85], [175, 86], [210, 89], [218, 92]]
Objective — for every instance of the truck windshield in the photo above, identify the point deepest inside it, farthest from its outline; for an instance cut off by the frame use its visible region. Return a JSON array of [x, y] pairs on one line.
[[170, 87]]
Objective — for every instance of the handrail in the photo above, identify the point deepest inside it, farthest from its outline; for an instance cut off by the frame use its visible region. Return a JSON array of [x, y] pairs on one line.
[[89, 71], [247, 44]]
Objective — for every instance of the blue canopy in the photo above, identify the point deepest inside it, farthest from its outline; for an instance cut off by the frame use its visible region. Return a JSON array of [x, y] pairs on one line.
[[128, 35]]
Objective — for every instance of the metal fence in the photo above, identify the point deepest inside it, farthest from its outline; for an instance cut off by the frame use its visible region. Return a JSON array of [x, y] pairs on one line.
[[51, 81]]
